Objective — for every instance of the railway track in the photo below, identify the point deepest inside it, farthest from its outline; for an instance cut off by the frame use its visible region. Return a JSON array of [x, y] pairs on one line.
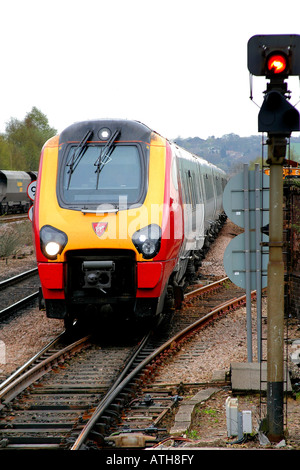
[[136, 420], [5, 219], [18, 291], [88, 399], [50, 397]]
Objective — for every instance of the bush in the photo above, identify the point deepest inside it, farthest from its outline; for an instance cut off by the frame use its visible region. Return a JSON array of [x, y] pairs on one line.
[[14, 237]]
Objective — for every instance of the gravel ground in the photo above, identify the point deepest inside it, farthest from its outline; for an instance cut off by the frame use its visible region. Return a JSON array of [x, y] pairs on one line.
[[24, 335], [214, 349]]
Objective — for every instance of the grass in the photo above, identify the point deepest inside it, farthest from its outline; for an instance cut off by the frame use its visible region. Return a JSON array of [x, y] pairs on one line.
[[14, 237]]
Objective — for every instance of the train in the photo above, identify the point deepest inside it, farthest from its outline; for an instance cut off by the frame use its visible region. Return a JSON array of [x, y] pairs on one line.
[[13, 191], [122, 219], [290, 170]]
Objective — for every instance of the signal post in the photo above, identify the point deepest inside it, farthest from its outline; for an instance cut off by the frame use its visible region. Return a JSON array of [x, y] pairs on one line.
[[275, 57], [275, 293]]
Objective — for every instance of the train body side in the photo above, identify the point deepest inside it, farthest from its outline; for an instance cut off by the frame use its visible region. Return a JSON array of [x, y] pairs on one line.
[[201, 186]]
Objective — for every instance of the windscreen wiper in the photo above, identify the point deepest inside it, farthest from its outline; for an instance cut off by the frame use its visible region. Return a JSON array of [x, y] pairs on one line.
[[104, 156], [78, 154]]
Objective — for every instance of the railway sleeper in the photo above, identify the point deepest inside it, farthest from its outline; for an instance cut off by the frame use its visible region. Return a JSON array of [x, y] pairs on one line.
[[30, 443], [36, 427]]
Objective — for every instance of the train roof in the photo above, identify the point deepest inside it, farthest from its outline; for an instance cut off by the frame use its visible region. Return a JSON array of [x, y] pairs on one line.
[[130, 130], [12, 174], [191, 156]]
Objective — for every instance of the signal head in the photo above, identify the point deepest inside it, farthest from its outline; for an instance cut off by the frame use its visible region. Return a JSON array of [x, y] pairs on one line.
[[274, 56]]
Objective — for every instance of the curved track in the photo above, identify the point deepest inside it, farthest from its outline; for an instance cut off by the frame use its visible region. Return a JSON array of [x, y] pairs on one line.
[[53, 394], [81, 396], [157, 351]]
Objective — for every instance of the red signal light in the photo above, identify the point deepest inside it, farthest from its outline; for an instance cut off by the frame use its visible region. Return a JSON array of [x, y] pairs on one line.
[[277, 64]]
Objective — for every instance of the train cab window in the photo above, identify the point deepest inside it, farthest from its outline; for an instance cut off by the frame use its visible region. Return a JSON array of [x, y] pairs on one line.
[[95, 181]]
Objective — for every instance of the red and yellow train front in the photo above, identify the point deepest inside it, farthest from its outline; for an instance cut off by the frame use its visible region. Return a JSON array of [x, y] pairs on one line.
[[107, 220]]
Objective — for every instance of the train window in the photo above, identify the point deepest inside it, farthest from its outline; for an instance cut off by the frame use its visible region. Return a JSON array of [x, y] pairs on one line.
[[120, 175], [190, 184], [219, 186], [174, 173], [193, 190], [209, 189]]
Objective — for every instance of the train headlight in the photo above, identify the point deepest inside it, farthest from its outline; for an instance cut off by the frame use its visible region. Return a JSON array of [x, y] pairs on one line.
[[52, 241], [52, 248], [147, 240]]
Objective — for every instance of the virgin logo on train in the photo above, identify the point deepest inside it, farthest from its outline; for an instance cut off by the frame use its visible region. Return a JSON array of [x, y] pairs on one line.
[[99, 228]]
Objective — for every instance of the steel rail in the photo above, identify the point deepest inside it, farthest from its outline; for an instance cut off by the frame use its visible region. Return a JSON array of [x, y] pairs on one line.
[[121, 381], [22, 381], [170, 345], [207, 288], [21, 303], [30, 362], [19, 277], [6, 218]]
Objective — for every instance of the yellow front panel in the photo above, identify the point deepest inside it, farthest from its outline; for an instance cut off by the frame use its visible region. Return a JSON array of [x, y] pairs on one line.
[[121, 226]]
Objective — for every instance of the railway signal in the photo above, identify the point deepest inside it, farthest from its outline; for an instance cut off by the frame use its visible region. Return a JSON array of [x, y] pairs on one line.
[[275, 57]]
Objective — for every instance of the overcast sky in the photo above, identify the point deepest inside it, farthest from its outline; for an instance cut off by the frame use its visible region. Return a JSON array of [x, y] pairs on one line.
[[178, 66]]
